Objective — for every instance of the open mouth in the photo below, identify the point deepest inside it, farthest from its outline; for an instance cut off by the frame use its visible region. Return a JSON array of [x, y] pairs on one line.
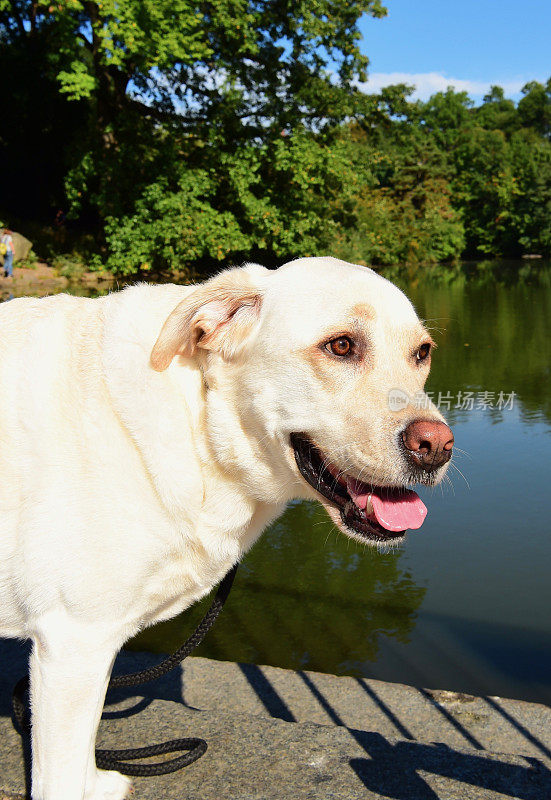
[[374, 513]]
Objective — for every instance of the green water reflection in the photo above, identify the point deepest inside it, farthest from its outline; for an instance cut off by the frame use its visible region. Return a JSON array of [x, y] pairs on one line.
[[306, 597], [493, 335]]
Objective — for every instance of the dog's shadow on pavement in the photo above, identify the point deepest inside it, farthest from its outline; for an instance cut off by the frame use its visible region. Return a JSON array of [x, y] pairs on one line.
[[168, 687], [14, 657]]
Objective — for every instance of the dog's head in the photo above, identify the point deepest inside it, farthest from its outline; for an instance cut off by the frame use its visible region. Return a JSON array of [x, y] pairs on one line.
[[315, 376]]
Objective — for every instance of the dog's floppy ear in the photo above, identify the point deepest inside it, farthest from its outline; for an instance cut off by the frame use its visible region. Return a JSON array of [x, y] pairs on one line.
[[218, 315]]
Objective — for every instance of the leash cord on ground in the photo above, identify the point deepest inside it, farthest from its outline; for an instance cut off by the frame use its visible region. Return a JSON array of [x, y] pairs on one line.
[[117, 759]]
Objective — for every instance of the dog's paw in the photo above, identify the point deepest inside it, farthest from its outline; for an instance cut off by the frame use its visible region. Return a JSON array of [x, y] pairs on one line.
[[109, 785]]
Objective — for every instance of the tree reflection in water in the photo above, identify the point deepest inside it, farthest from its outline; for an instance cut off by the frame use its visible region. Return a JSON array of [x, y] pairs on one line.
[[306, 597]]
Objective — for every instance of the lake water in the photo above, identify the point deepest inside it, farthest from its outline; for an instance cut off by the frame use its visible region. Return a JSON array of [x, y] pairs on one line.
[[465, 603]]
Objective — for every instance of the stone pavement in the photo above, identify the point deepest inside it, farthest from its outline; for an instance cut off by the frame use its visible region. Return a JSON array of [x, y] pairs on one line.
[[277, 734]]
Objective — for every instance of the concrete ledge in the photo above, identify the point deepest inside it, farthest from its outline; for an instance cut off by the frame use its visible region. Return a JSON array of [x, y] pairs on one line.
[[391, 709], [252, 758], [276, 734]]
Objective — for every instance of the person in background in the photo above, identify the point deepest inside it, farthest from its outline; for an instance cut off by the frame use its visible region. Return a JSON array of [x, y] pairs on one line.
[[7, 242]]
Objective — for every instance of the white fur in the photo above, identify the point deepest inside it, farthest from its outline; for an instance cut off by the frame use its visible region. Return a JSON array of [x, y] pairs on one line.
[[127, 492]]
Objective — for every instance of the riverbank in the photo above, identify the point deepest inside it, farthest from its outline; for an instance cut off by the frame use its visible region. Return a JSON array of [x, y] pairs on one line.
[[275, 734], [42, 279]]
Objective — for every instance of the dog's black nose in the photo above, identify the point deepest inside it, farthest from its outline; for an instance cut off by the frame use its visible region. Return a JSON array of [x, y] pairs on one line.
[[428, 443]]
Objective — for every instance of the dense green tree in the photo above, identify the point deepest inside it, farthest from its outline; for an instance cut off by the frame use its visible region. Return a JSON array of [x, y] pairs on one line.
[[497, 112], [531, 163], [278, 198], [534, 108], [498, 155], [163, 79], [182, 133], [403, 209]]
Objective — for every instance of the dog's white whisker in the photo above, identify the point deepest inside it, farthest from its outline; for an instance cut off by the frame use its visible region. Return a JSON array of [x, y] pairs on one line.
[[456, 468]]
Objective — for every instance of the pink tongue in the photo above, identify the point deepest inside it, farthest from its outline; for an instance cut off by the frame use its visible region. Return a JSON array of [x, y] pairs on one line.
[[394, 510]]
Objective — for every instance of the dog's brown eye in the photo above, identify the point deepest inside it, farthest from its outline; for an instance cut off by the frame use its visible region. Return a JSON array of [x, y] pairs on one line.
[[423, 352], [342, 346]]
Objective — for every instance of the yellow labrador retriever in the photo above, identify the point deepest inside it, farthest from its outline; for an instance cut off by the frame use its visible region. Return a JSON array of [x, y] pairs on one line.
[[148, 438]]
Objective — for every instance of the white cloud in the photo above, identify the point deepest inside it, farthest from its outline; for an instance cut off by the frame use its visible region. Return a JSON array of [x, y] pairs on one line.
[[427, 83]]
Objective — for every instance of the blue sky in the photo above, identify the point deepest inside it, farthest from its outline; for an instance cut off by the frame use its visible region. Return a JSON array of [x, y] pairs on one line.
[[466, 43]]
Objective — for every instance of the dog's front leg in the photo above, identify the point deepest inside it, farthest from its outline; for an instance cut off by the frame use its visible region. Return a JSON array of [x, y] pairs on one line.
[[69, 676]]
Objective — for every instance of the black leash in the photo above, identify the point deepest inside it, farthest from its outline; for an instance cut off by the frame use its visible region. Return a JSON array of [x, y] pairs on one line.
[[117, 759]]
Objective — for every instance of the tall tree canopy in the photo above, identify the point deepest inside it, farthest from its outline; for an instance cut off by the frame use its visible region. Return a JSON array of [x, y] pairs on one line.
[[220, 73], [183, 133]]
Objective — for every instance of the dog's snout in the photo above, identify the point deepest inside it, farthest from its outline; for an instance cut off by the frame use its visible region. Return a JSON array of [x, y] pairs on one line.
[[428, 443]]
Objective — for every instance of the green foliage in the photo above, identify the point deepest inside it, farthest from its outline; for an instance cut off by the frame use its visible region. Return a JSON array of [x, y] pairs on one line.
[[30, 262], [144, 70], [171, 228], [274, 199], [178, 134], [69, 265], [76, 82], [534, 109], [403, 213], [498, 156], [531, 163]]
